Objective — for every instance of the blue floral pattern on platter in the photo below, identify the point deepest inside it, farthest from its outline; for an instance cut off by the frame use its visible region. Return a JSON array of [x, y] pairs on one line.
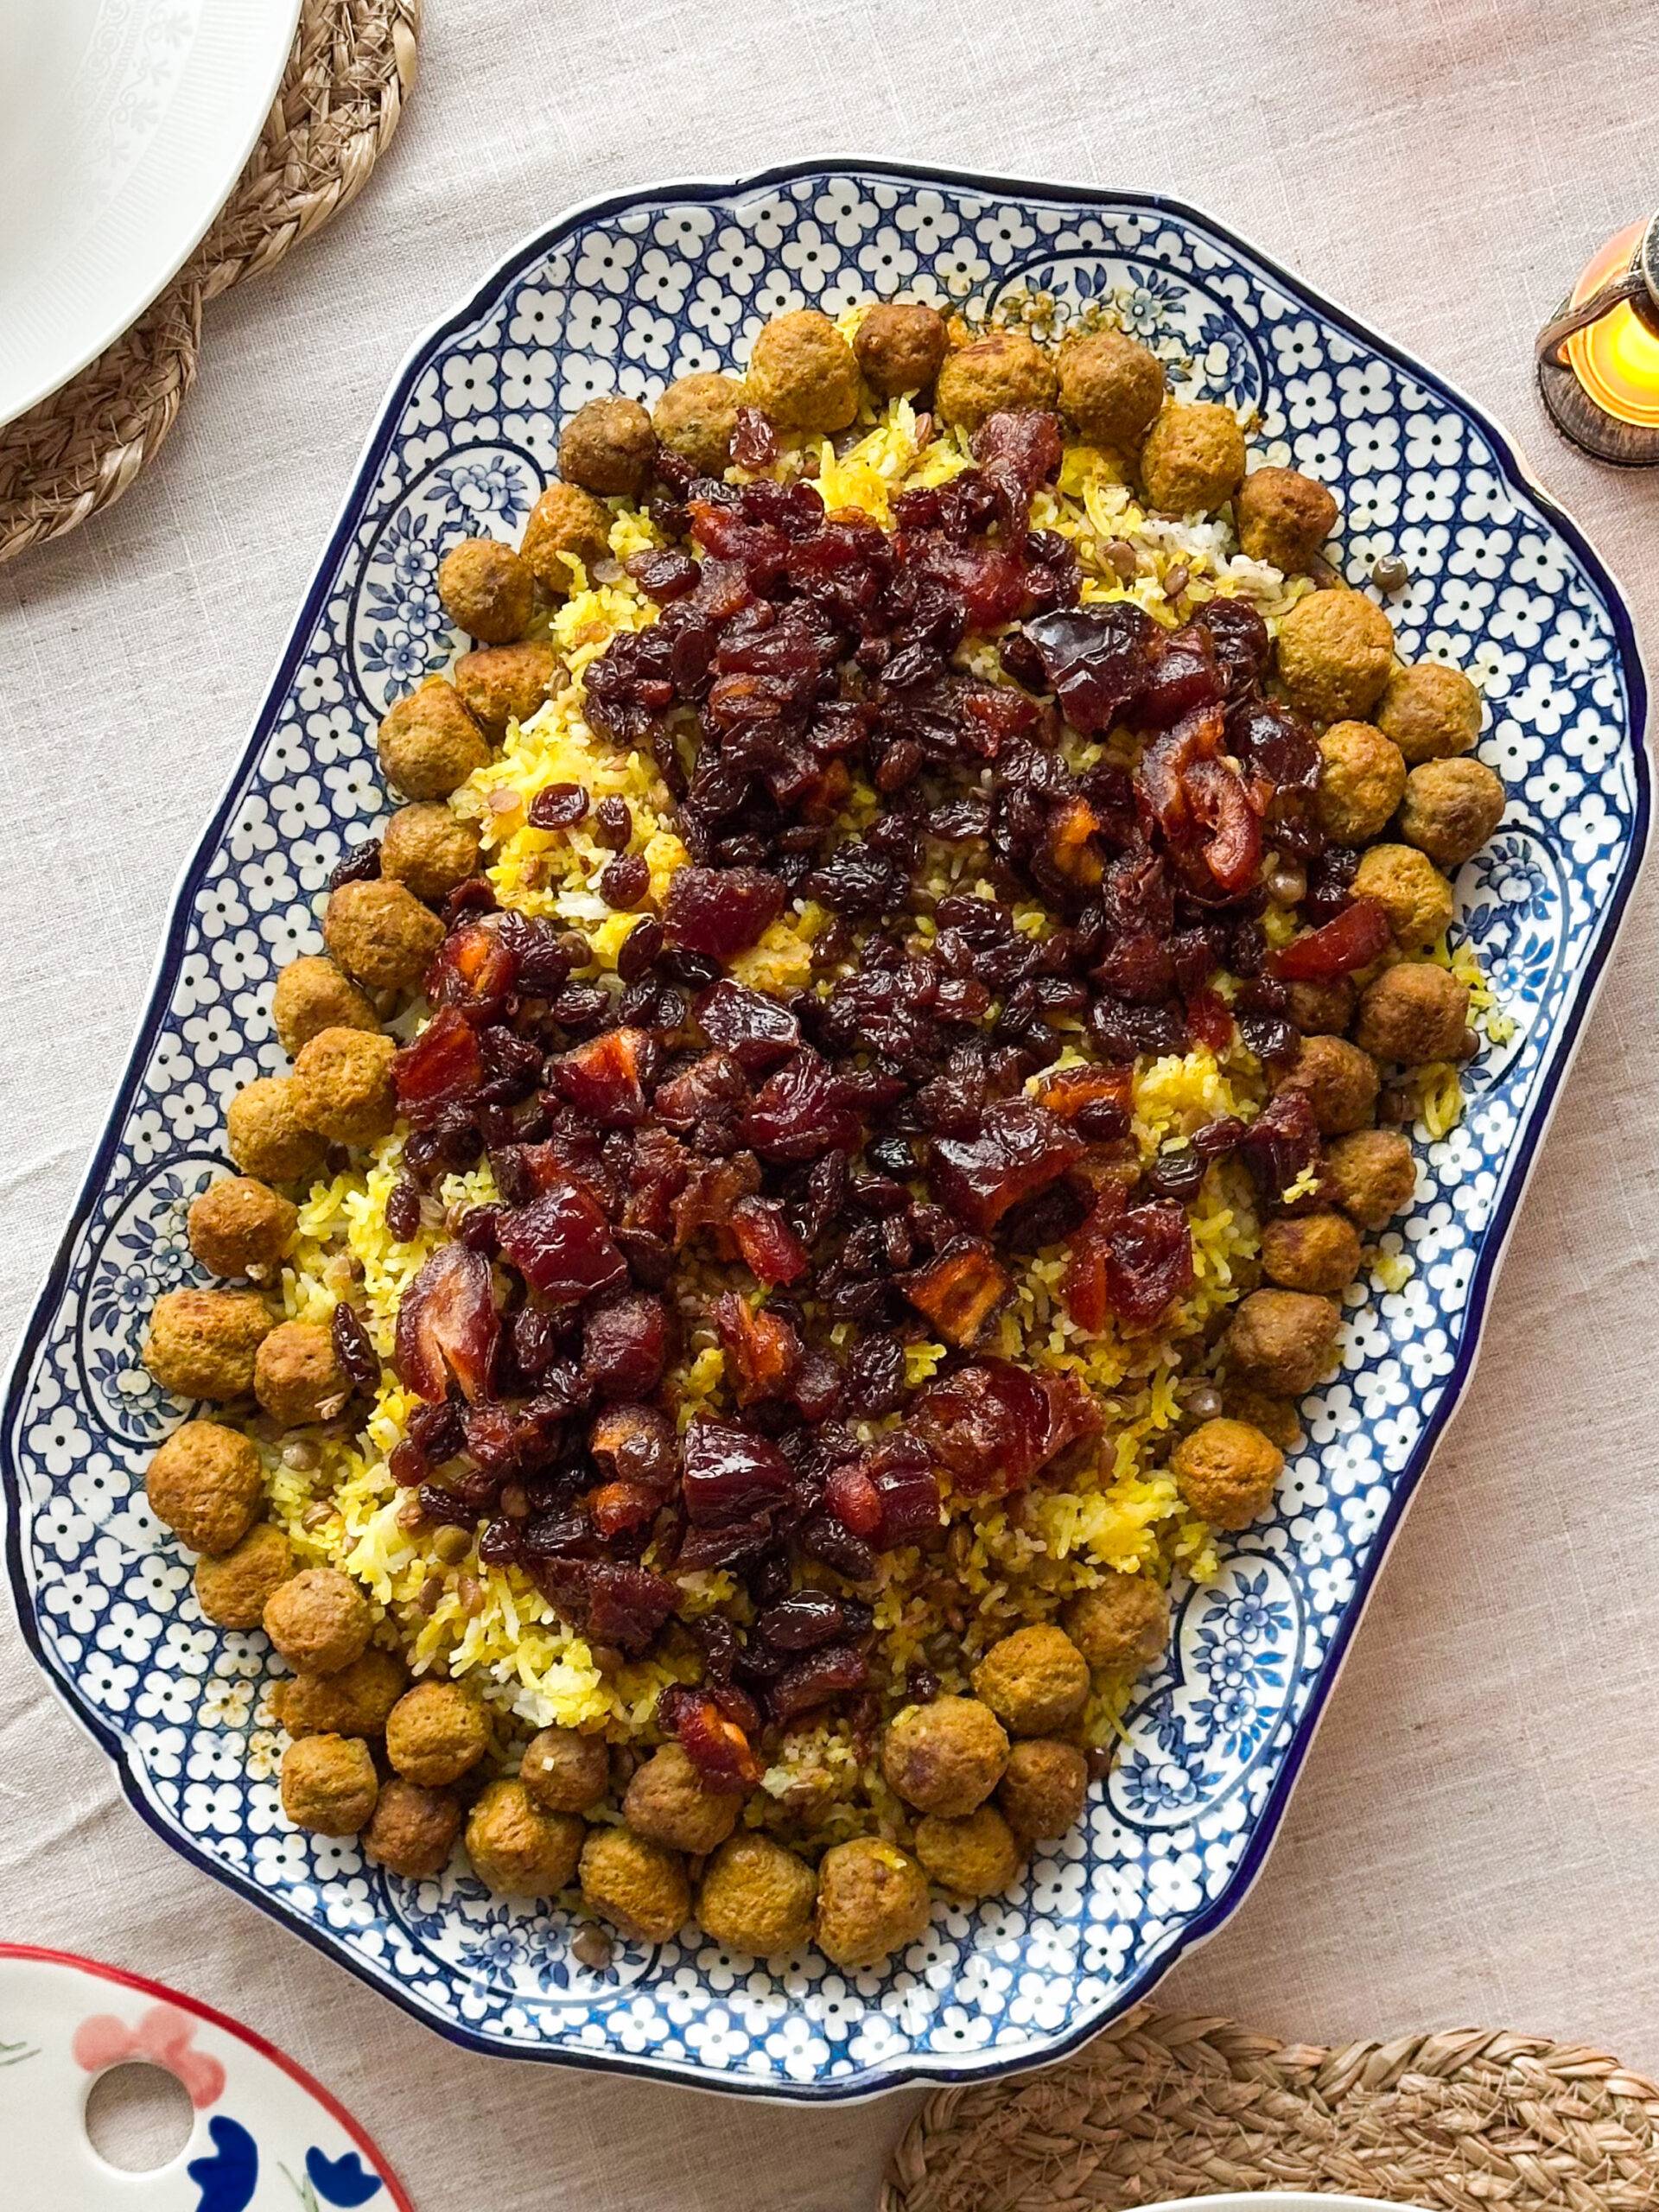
[[623, 296]]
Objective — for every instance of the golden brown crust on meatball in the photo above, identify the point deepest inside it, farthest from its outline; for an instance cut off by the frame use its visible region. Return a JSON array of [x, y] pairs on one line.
[[1045, 1788], [231, 1590], [265, 1136], [899, 345], [1338, 1080], [487, 589], [1375, 1175], [1003, 373], [1193, 458], [319, 1620], [607, 447], [977, 1856], [872, 1901], [343, 1085], [1323, 1009], [413, 1830], [1430, 711], [802, 373], [201, 1342], [206, 1485], [516, 1849], [381, 934], [436, 1731], [1225, 1471], [328, 1784], [356, 1701], [1413, 1013], [1122, 1622], [1277, 1418], [565, 1772], [1362, 779], [695, 417], [1036, 1681], [565, 520], [1283, 517], [757, 1897], [238, 1227], [505, 683], [428, 744], [1110, 388], [1282, 1340], [1450, 808], [1310, 1251], [638, 1887], [297, 1377], [1410, 889], [667, 1802], [428, 850], [946, 1756], [312, 995], [1335, 650]]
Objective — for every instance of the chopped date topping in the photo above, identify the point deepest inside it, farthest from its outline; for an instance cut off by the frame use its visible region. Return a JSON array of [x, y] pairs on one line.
[[448, 1326], [561, 1244]]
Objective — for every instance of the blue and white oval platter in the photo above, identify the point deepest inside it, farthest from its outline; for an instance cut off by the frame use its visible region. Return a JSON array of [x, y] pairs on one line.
[[623, 295]]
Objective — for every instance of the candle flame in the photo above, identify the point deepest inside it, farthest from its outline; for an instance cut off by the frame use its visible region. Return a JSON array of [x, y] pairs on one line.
[[1617, 360]]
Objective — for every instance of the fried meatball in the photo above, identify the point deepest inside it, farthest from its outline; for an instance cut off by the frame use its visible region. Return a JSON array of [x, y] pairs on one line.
[[356, 1701], [1277, 1418], [319, 1620], [668, 1802], [1193, 458], [1110, 388], [1000, 373], [330, 1785], [297, 1377], [312, 995], [232, 1591], [757, 1897], [1282, 1340], [436, 1731], [695, 417], [1323, 1009], [1410, 889], [974, 1857], [1310, 1251], [872, 1901], [1035, 1681], [565, 520], [802, 373], [1375, 1175], [201, 1342], [381, 934], [1044, 1791], [1430, 711], [342, 1082], [638, 1887], [608, 447], [1122, 1622], [1338, 1080], [1452, 807], [238, 1227], [428, 744], [413, 1830], [945, 1758], [1335, 651], [505, 683], [487, 590], [899, 346], [1413, 1013], [516, 1849], [1362, 780], [1225, 1469], [1283, 517], [266, 1134], [428, 849], [206, 1485], [565, 1772]]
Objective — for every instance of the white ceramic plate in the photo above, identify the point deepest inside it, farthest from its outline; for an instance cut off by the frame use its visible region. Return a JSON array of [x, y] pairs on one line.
[[123, 125]]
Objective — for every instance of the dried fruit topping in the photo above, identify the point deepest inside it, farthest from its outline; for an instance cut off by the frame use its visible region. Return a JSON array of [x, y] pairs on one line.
[[1359, 935], [1097, 659], [558, 806], [606, 1078], [815, 1680], [473, 971], [958, 1290], [624, 1344], [720, 912], [988, 1424], [443, 1068], [561, 1244], [448, 1327], [717, 1745], [767, 1244], [1018, 1148], [729, 1472], [754, 1029], [795, 1114], [354, 1352], [763, 1350], [607, 1601]]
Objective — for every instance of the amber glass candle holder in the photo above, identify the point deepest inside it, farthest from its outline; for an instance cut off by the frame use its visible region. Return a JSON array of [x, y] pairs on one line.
[[1598, 354]]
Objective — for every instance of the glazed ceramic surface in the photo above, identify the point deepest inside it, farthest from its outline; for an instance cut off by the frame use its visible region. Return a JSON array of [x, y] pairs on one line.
[[623, 296]]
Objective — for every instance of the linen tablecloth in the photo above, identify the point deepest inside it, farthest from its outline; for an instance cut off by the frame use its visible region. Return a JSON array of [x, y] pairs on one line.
[[1474, 1836]]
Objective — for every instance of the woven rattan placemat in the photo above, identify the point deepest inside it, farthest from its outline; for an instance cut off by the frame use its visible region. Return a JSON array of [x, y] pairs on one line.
[[1162, 2107], [351, 68]]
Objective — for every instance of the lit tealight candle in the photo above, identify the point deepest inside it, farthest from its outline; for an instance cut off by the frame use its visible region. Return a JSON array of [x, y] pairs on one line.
[[1599, 357]]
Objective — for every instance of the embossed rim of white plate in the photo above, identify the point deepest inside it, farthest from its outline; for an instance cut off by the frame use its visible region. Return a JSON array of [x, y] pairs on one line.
[[67, 287]]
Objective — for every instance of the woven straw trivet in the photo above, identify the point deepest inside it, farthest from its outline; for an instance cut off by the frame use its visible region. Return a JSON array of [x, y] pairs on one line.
[[351, 68], [1163, 2106]]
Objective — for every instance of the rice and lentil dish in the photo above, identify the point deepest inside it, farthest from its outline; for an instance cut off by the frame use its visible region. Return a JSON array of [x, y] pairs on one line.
[[832, 1132]]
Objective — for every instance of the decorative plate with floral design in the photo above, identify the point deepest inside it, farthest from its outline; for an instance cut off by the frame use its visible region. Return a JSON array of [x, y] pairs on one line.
[[622, 296]]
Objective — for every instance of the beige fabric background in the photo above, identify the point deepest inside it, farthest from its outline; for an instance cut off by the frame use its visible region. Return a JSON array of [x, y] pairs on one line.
[[1474, 1837]]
